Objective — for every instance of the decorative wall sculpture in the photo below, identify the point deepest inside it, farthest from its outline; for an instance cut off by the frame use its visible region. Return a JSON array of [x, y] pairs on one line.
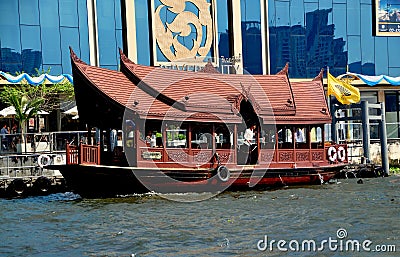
[[183, 34]]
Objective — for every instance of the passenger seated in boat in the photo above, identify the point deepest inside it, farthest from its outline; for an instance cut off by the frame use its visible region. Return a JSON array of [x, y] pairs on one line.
[[151, 139], [299, 135], [130, 127]]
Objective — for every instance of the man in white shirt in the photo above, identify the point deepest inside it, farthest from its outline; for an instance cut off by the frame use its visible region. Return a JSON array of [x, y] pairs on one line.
[[248, 139]]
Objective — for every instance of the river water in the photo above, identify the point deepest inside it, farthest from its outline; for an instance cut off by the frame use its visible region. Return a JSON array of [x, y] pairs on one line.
[[230, 224]]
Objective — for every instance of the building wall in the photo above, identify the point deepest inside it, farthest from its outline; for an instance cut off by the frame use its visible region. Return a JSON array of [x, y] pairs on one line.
[[251, 36], [36, 34], [262, 36], [315, 34]]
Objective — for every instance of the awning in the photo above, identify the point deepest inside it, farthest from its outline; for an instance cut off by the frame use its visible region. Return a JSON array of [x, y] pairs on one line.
[[36, 80], [72, 111], [10, 111], [373, 80]]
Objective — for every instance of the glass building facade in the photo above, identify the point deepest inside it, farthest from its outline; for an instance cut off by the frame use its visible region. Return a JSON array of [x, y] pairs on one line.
[[311, 34], [307, 34]]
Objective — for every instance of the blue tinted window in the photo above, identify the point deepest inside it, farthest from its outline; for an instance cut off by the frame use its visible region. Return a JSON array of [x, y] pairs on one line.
[[282, 19], [54, 69], [296, 12], [30, 35], [224, 35], [107, 34], [354, 53], [83, 31], [394, 71], [381, 55], [142, 32], [50, 32], [117, 13], [394, 53], [29, 10], [353, 17], [31, 49], [10, 37], [367, 42], [251, 36], [68, 13], [69, 37], [340, 21]]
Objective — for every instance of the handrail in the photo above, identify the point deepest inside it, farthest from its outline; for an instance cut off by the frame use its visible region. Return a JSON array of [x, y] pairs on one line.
[[83, 154], [42, 142]]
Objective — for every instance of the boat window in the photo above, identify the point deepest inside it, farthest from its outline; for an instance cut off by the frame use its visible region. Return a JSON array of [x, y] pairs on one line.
[[285, 138], [176, 136], [153, 134], [223, 137], [301, 137], [201, 136], [267, 138], [316, 137]]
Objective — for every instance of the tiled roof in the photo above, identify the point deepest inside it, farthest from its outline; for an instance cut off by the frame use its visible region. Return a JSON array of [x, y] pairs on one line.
[[155, 93], [266, 92], [311, 105]]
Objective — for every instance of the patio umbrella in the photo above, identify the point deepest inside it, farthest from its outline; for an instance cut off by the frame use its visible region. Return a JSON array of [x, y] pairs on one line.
[[72, 111], [10, 111]]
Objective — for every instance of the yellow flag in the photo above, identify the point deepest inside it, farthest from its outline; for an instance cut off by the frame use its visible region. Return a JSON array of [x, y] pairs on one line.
[[344, 92]]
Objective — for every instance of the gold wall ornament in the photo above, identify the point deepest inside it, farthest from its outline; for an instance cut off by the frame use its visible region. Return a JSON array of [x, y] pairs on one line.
[[166, 34]]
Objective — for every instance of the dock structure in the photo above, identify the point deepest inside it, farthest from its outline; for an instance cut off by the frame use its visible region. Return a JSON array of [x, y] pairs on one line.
[[23, 186], [26, 175]]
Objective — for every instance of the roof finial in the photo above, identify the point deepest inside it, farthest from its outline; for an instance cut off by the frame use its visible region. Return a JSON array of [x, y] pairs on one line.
[[74, 57], [285, 70], [124, 58], [320, 75]]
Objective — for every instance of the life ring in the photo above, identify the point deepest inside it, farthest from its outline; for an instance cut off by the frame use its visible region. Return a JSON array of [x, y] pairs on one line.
[[341, 154], [42, 185], [17, 187], [332, 154], [223, 173], [43, 160]]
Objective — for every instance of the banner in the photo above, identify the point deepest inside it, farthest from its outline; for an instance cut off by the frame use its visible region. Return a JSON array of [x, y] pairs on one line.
[[344, 92]]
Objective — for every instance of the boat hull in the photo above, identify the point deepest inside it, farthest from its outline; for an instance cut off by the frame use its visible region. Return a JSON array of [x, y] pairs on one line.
[[93, 181]]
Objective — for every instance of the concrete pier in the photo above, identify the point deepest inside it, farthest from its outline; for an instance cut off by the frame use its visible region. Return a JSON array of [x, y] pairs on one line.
[[25, 175], [25, 186]]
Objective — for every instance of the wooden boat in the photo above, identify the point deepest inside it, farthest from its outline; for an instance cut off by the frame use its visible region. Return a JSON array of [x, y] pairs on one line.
[[183, 131]]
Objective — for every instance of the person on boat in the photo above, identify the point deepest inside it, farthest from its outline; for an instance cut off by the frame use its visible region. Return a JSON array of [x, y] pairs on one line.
[[151, 139], [248, 141], [130, 127], [113, 139], [299, 136]]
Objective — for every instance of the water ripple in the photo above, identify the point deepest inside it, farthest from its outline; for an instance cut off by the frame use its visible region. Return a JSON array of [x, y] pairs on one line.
[[229, 224]]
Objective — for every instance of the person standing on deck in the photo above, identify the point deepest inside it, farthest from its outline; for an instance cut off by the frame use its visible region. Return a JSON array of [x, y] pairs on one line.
[[248, 138]]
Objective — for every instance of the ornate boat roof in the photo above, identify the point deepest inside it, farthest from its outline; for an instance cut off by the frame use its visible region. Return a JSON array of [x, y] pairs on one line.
[[103, 95]]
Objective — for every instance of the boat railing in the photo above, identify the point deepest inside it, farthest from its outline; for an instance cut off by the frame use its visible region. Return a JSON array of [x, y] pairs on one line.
[[83, 154], [40, 142]]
